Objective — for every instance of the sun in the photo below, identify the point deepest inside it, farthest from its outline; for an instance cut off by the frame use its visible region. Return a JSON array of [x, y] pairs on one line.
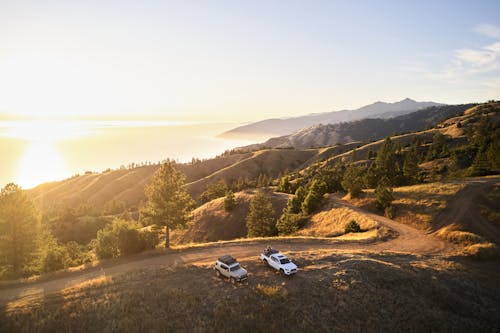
[[40, 163], [41, 160]]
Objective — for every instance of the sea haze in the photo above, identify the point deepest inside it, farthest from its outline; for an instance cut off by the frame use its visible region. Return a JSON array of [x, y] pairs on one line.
[[39, 151]]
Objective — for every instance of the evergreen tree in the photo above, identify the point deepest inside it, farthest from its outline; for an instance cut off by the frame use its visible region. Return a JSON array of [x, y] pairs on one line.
[[480, 166], [214, 191], [290, 223], [260, 219], [294, 205], [371, 176], [383, 194], [332, 177], [263, 180], [284, 185], [387, 162], [493, 152], [438, 147], [353, 181], [411, 170], [18, 229], [229, 201], [168, 204], [314, 197]]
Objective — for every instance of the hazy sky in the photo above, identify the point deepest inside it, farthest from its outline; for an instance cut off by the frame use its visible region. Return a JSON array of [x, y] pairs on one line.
[[241, 60]]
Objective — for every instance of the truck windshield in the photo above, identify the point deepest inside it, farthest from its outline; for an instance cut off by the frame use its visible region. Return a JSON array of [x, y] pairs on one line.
[[284, 261], [234, 268]]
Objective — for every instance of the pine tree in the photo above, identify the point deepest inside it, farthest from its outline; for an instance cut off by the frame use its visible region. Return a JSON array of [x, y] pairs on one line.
[[383, 194], [410, 166], [386, 161], [353, 181], [260, 219], [313, 198], [294, 204], [285, 185], [371, 176], [290, 223], [481, 165], [229, 201], [168, 204], [18, 228]]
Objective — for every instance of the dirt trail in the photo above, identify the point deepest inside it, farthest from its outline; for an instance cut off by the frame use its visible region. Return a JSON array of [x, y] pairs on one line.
[[464, 210], [409, 240]]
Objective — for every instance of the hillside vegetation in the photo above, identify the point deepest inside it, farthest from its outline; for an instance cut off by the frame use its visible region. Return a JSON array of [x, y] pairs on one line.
[[211, 222], [102, 215]]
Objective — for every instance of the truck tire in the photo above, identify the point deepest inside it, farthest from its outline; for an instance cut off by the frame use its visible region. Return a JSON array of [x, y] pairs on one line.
[[264, 261], [233, 280], [282, 271], [217, 273]]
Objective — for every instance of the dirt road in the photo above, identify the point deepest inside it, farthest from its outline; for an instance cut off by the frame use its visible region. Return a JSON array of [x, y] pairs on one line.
[[408, 240], [464, 210]]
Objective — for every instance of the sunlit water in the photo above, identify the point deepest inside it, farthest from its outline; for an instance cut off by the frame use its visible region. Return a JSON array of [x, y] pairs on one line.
[[33, 152]]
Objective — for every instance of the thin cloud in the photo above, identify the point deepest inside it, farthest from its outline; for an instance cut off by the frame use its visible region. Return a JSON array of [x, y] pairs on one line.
[[488, 30], [485, 58]]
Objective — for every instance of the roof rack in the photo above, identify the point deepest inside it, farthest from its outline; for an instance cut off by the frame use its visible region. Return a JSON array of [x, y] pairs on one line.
[[227, 259]]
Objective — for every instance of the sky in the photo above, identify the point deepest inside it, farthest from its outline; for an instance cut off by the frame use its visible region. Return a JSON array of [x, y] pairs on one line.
[[240, 60]]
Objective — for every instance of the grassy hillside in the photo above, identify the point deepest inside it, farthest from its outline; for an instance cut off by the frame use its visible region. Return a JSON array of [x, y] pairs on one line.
[[125, 185], [463, 213], [271, 162], [212, 223], [363, 130], [332, 292]]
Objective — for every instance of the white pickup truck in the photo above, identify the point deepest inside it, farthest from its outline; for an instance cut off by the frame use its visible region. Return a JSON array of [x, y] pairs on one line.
[[278, 261]]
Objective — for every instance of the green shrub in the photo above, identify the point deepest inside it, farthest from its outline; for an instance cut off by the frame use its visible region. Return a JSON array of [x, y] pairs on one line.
[[106, 245], [352, 226], [56, 258], [290, 223], [122, 238]]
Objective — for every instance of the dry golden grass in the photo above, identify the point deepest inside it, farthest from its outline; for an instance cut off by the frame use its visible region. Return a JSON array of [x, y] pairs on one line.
[[360, 236], [336, 291], [490, 210], [332, 222], [471, 245], [212, 223], [272, 291], [93, 283], [415, 205], [482, 251], [452, 234]]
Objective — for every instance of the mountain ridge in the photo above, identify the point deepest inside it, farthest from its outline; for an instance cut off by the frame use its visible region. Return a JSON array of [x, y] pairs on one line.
[[282, 126]]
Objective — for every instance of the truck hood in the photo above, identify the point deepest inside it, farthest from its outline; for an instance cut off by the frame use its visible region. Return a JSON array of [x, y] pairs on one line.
[[289, 266], [240, 272]]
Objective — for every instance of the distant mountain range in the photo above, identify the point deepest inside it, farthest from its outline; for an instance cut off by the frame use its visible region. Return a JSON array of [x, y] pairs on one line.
[[364, 130], [279, 127]]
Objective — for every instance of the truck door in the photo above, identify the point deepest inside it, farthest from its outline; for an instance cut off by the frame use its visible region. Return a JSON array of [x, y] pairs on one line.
[[275, 262]]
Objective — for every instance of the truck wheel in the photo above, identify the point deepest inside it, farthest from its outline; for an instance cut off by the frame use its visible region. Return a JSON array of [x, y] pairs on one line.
[[282, 271], [264, 261], [217, 273], [233, 280]]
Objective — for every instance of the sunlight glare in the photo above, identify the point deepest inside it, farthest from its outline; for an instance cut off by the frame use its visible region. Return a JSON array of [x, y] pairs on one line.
[[40, 163]]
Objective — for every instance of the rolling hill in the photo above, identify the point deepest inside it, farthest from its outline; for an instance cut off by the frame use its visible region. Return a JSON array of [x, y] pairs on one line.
[[126, 185], [362, 130]]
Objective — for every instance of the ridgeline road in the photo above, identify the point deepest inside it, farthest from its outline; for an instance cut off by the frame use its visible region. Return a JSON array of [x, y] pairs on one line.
[[408, 240]]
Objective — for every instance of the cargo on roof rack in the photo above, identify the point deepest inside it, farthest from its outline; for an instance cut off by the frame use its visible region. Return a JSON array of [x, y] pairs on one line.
[[227, 259]]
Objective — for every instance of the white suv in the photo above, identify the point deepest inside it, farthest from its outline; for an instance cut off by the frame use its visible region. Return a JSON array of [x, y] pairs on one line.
[[228, 266]]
